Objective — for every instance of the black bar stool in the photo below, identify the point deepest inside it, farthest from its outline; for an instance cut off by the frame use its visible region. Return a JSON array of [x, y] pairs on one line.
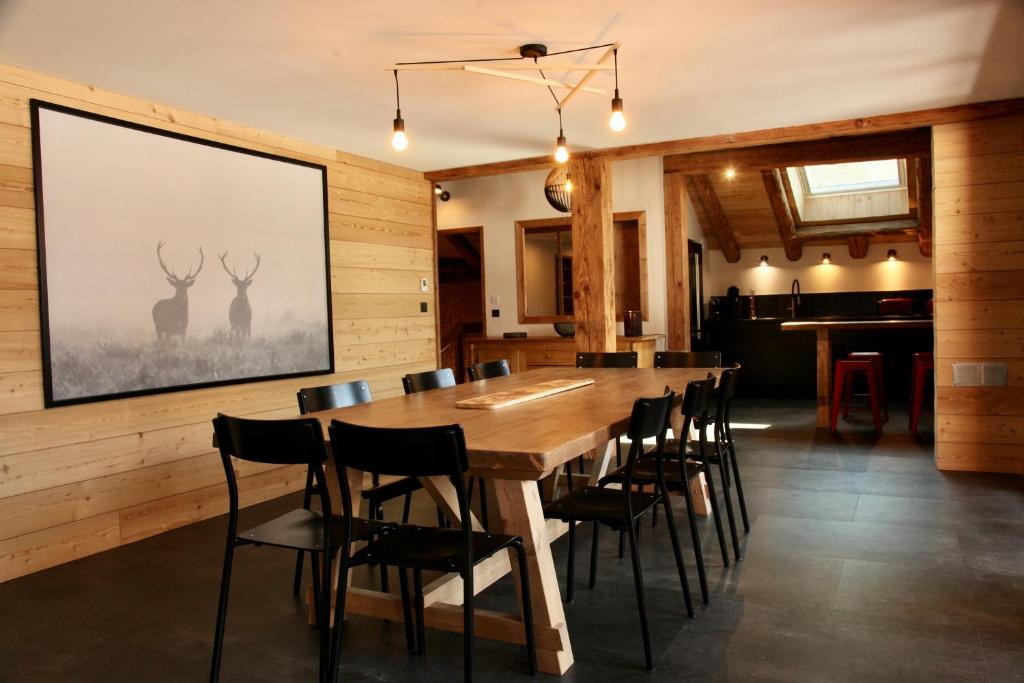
[[286, 442], [422, 452]]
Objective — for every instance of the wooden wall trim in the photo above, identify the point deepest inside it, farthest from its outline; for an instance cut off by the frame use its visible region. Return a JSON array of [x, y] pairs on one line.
[[677, 263], [813, 131], [80, 479]]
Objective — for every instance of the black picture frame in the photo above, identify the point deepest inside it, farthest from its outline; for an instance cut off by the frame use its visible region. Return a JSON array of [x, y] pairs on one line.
[[49, 401]]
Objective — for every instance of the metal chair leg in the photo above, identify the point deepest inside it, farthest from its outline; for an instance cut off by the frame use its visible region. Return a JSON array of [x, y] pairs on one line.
[[339, 616], [467, 625], [638, 580], [483, 503], [736, 478], [421, 630], [527, 607], [297, 581], [678, 552], [222, 610], [407, 508], [698, 553], [727, 493], [717, 515], [593, 556], [570, 569], [314, 562], [403, 580]]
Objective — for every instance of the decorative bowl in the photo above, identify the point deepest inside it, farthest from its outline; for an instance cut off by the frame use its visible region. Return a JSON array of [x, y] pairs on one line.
[[565, 329]]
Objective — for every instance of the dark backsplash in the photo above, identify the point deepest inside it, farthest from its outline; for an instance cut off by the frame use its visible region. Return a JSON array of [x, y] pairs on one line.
[[814, 305]]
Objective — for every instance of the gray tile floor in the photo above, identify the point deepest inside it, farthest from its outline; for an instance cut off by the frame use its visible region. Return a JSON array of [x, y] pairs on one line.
[[863, 563]]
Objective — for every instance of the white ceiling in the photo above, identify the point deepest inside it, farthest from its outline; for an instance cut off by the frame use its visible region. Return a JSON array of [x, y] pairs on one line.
[[317, 69]]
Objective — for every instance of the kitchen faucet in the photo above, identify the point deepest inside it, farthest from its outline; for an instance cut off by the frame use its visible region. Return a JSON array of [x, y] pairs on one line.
[[794, 297]]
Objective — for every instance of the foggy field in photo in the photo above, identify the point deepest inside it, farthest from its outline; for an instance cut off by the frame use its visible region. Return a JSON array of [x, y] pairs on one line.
[[88, 365]]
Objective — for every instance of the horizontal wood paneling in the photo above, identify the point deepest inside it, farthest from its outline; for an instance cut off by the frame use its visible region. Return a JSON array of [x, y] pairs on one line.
[[979, 291], [81, 479]]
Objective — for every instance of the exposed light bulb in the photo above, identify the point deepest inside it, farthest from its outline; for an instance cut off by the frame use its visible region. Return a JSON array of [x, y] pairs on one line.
[[568, 185], [437, 189], [618, 120], [398, 140], [561, 151]]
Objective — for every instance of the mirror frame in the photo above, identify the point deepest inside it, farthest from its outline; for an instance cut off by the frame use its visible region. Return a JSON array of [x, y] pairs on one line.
[[522, 227]]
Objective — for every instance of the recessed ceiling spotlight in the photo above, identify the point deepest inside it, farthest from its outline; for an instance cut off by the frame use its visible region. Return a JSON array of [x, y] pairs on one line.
[[730, 173], [764, 260]]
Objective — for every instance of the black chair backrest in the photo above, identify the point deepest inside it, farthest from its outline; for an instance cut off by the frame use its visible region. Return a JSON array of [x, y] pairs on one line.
[[687, 359], [298, 441], [489, 369], [650, 418], [315, 399], [410, 452], [697, 401], [612, 359], [424, 381]]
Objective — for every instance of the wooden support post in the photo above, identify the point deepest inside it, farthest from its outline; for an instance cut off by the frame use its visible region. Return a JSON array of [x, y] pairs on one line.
[[924, 205], [593, 274], [703, 192], [783, 216], [824, 361], [677, 263]]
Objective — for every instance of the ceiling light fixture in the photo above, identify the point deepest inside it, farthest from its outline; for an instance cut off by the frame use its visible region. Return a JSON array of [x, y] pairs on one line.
[[891, 255], [442, 194], [618, 120], [826, 258], [508, 68], [561, 151], [398, 139], [764, 261], [730, 173]]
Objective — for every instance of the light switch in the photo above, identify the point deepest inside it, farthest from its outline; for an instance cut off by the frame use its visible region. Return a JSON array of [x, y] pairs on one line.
[[424, 285]]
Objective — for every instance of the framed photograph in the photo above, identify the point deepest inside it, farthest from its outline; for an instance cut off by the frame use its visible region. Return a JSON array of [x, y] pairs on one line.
[[169, 262]]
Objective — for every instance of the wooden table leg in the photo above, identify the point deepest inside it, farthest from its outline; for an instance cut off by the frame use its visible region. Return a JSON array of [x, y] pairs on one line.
[[602, 459], [520, 513], [824, 355]]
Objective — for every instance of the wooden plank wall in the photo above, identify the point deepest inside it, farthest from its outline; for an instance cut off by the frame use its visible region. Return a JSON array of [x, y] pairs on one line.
[[979, 290], [82, 479]]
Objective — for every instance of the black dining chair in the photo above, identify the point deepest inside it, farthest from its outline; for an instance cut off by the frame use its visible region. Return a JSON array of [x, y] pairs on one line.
[[725, 451], [687, 359], [331, 397], [423, 452], [622, 509], [286, 442], [680, 469], [610, 359], [488, 370], [414, 383]]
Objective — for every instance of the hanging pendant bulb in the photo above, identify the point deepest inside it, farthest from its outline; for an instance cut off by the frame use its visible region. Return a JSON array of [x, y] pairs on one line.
[[398, 139], [561, 149], [617, 122]]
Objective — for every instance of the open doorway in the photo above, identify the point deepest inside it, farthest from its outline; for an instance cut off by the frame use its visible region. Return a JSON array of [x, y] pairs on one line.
[[460, 278]]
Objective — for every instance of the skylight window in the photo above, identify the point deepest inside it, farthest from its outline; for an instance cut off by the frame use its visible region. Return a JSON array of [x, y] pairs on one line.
[[856, 176]]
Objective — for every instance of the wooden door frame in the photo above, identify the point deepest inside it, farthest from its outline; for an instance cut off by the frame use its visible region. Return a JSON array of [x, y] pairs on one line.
[[437, 277]]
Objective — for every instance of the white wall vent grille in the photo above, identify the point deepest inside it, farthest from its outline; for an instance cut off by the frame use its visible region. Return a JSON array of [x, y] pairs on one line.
[[979, 374]]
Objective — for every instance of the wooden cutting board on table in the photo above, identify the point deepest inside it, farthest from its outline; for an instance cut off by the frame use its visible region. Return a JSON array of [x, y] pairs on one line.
[[504, 399]]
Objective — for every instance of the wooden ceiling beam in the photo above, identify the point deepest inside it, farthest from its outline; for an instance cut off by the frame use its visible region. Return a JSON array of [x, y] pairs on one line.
[[783, 216], [813, 131], [867, 228], [701, 191], [899, 145], [924, 206], [858, 246]]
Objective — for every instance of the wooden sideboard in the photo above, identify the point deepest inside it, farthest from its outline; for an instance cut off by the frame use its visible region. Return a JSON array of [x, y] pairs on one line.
[[537, 352]]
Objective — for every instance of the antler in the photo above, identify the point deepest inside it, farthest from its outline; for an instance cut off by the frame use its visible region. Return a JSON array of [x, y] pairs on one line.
[[202, 260], [255, 268], [163, 266], [229, 271]]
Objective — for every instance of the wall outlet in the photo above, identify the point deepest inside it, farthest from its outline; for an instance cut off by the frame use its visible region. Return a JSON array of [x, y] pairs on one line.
[[424, 285], [423, 307], [495, 313]]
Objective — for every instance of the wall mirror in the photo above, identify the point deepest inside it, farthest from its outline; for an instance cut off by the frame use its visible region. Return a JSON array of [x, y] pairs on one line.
[[544, 257]]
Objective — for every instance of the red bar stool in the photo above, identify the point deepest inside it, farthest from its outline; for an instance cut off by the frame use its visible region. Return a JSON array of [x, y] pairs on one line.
[[923, 365], [878, 364], [846, 371]]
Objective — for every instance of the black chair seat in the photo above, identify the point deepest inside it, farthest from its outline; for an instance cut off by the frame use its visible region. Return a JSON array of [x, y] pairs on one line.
[[429, 548], [303, 530], [645, 472], [607, 506], [392, 489]]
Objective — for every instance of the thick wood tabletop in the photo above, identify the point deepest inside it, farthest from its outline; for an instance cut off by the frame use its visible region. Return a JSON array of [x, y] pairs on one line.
[[528, 440], [896, 324]]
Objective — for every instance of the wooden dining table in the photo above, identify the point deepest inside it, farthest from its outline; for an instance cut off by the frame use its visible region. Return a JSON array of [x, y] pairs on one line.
[[513, 448], [823, 329]]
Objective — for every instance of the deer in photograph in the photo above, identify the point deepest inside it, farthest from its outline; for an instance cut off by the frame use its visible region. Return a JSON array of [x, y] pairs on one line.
[[240, 312], [171, 315]]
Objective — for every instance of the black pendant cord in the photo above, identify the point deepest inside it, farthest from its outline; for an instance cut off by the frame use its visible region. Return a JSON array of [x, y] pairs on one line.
[[615, 55], [398, 99], [560, 133]]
